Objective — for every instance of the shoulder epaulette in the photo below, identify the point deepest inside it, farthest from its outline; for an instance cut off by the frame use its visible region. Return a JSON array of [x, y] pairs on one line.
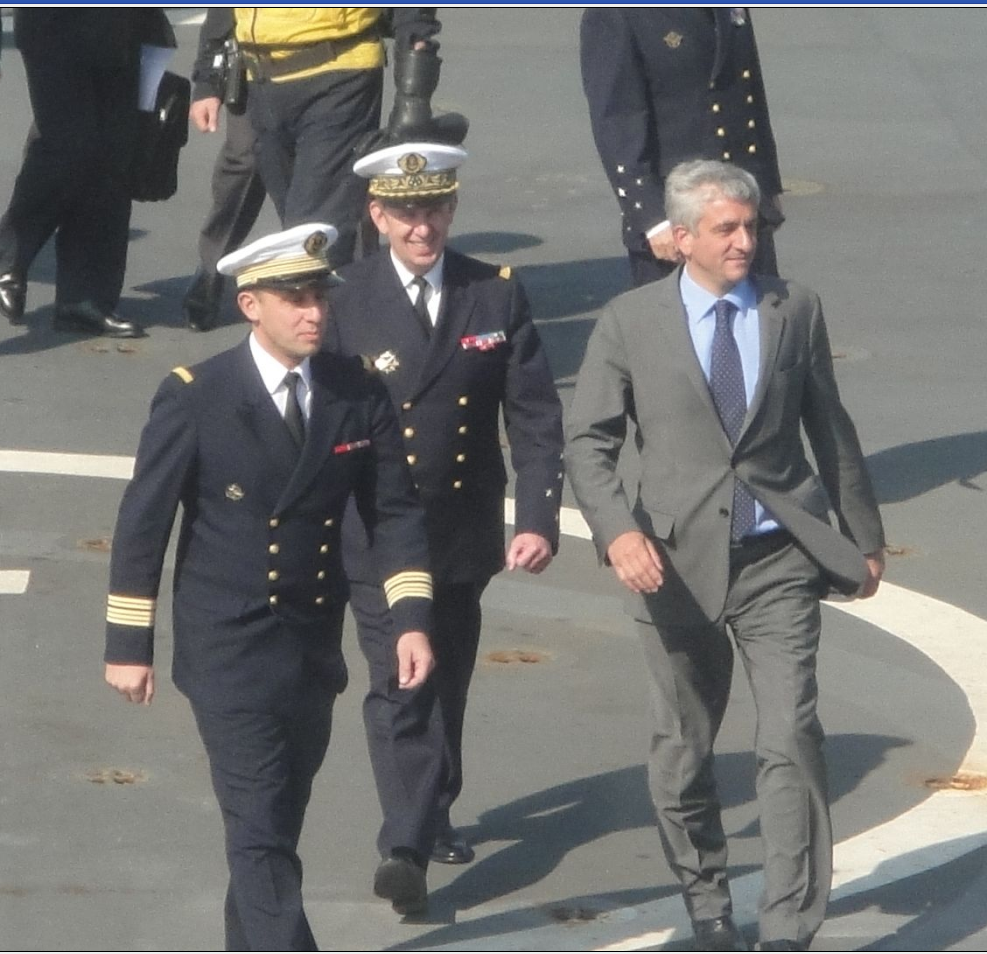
[[184, 374], [505, 271]]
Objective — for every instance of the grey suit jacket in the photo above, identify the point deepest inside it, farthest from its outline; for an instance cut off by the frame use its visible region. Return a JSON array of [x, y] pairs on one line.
[[640, 366]]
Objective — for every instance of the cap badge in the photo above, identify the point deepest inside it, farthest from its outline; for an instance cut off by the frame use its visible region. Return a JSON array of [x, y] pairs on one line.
[[738, 16], [673, 40], [411, 163], [316, 243], [234, 492]]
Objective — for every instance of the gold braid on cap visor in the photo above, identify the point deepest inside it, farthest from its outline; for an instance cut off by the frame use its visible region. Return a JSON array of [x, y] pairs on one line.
[[415, 184], [282, 268]]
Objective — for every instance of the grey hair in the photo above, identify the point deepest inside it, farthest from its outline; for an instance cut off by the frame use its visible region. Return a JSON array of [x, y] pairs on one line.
[[693, 184]]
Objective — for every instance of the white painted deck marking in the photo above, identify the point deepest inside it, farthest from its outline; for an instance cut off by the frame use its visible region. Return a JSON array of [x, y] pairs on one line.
[[14, 582]]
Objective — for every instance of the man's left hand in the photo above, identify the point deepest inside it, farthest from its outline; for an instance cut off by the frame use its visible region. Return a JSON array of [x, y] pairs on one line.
[[529, 551], [875, 570], [415, 659]]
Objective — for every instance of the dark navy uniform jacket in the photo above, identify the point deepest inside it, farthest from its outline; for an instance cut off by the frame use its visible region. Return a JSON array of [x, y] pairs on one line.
[[484, 357], [258, 586], [667, 84]]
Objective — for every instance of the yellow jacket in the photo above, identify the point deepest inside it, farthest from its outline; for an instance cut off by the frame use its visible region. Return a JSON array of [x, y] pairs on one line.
[[294, 27]]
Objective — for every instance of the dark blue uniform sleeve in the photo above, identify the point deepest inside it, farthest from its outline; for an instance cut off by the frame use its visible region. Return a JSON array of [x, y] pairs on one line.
[[615, 83], [165, 461], [389, 504], [533, 419]]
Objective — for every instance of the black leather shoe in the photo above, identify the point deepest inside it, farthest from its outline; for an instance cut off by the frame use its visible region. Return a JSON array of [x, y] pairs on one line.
[[200, 307], [782, 945], [87, 318], [451, 848], [13, 297], [401, 880], [718, 934]]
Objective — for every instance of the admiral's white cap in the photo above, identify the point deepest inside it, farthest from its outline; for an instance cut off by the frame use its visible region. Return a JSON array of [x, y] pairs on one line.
[[295, 257], [412, 171]]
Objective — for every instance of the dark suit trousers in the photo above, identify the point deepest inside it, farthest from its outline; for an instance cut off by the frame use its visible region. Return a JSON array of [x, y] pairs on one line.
[[82, 81], [773, 612], [415, 737], [646, 268], [262, 765], [237, 194], [306, 133]]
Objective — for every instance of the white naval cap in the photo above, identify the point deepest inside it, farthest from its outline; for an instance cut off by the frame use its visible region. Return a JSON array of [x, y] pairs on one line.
[[412, 171], [294, 257]]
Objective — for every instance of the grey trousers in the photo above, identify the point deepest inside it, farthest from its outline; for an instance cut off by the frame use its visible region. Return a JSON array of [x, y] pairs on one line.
[[773, 613]]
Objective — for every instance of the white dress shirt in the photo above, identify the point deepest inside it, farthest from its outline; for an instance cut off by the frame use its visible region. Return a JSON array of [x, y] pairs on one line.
[[433, 291], [273, 373]]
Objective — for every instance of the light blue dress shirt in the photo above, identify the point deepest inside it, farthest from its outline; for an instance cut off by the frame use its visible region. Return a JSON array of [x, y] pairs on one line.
[[746, 332]]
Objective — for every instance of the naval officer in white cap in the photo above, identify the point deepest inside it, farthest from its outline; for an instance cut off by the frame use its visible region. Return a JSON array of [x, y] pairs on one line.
[[453, 341], [263, 445]]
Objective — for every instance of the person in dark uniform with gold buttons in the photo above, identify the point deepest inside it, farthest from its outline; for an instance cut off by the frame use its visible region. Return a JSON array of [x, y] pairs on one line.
[[453, 340], [263, 445], [667, 84]]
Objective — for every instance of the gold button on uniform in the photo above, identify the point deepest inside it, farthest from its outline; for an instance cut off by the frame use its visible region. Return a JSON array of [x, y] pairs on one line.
[[273, 599], [321, 575], [319, 600], [752, 148], [409, 432], [715, 107], [750, 100], [273, 575], [457, 484], [746, 74], [463, 429], [328, 522], [463, 401], [406, 406], [274, 548], [721, 132], [324, 548], [726, 157], [273, 522], [412, 460], [750, 124], [460, 458]]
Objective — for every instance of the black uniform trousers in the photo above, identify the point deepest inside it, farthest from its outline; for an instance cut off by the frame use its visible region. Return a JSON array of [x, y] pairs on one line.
[[237, 194], [415, 737], [82, 82], [646, 268], [306, 133], [262, 764]]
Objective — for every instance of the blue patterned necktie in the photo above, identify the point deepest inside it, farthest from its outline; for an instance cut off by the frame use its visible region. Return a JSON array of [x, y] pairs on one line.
[[726, 384]]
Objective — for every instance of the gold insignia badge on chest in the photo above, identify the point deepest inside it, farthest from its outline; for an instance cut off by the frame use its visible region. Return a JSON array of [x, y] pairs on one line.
[[673, 40], [234, 492], [387, 363]]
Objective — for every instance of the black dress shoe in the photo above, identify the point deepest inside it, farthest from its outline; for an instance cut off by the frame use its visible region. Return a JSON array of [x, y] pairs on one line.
[[451, 848], [401, 880], [783, 945], [200, 307], [13, 297], [718, 934], [86, 317]]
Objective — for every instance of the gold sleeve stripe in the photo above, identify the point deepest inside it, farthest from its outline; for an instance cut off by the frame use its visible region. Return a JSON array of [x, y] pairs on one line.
[[505, 271], [130, 611], [411, 583], [184, 374]]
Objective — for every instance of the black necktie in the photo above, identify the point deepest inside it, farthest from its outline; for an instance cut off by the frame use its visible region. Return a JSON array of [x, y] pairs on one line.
[[293, 416], [726, 384], [421, 305]]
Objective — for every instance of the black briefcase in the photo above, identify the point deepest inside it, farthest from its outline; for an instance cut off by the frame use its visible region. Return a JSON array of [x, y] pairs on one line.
[[160, 137]]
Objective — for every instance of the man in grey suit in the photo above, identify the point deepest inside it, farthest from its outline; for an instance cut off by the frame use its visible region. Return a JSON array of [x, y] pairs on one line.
[[720, 370]]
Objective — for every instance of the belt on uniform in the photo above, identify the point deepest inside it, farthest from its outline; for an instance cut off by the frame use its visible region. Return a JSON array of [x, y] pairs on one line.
[[757, 546], [262, 65]]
